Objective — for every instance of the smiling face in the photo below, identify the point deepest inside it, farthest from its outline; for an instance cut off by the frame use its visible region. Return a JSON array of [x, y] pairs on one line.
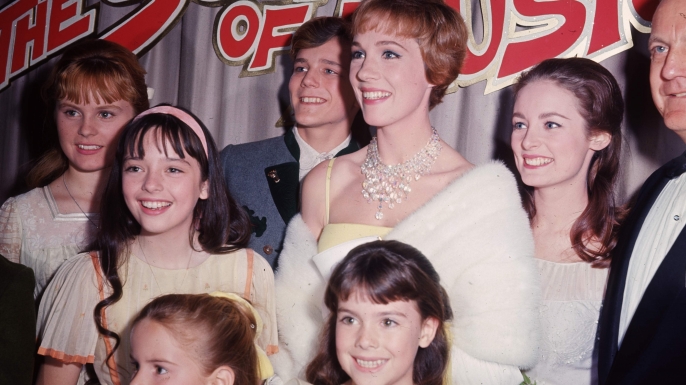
[[321, 94], [668, 63], [549, 137], [159, 359], [161, 190], [388, 76], [88, 132], [377, 343]]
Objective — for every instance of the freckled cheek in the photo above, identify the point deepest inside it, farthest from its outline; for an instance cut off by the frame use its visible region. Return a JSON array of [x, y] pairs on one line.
[[64, 129]]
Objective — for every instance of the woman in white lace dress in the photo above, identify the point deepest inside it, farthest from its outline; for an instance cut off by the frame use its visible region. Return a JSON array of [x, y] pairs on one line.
[[93, 91], [566, 140]]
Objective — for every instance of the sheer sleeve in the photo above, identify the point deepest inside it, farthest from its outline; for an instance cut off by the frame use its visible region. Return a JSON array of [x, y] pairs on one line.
[[10, 231], [262, 296], [66, 329]]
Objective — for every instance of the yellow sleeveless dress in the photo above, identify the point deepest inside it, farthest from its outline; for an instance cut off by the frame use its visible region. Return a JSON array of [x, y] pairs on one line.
[[336, 233]]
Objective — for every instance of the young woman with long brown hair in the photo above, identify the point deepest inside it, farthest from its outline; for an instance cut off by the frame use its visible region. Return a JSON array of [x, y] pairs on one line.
[[566, 137]]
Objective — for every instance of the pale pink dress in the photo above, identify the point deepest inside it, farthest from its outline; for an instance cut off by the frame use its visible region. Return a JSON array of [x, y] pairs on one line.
[[66, 329]]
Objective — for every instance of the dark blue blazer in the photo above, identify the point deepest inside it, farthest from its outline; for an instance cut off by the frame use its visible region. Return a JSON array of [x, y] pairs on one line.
[[654, 347]]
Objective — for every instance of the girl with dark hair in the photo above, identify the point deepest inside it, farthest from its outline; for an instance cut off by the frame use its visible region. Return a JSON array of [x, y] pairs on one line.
[[198, 339], [95, 88], [411, 186], [168, 225], [567, 139], [387, 322]]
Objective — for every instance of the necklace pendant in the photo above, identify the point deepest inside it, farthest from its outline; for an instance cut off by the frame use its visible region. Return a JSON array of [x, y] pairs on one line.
[[378, 215]]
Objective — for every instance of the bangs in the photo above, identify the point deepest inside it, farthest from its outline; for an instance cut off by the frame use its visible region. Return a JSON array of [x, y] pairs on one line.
[[98, 82], [136, 148], [169, 131], [391, 20], [378, 280]]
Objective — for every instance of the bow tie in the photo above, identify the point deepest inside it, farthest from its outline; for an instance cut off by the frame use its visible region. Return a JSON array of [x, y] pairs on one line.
[[676, 167]]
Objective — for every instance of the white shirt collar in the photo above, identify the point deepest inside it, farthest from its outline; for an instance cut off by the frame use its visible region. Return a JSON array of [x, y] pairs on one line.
[[309, 157]]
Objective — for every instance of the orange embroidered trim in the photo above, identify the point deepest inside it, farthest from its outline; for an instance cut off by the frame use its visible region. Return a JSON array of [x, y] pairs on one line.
[[111, 363], [272, 349], [248, 281], [66, 358]]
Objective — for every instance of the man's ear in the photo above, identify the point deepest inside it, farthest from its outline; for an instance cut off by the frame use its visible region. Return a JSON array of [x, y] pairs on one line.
[[429, 328], [600, 140], [223, 375]]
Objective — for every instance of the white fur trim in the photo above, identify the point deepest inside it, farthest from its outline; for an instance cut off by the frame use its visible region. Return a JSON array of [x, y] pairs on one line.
[[477, 235]]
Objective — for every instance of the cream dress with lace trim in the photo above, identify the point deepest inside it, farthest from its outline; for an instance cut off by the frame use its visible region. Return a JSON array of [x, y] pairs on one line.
[[35, 234], [66, 329], [572, 298]]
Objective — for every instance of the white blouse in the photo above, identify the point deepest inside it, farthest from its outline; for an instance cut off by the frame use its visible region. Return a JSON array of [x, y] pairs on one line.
[[34, 233], [572, 298]]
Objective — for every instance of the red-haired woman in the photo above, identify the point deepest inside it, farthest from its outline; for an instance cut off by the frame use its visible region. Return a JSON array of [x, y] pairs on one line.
[[95, 88], [409, 185]]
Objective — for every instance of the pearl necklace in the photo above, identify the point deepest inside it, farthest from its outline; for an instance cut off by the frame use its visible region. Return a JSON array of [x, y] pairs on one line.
[[391, 184]]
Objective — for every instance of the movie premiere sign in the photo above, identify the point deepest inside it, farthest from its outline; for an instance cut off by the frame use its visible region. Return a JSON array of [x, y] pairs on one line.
[[516, 33]]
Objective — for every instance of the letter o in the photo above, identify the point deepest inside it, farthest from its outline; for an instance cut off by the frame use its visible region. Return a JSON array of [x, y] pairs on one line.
[[238, 28]]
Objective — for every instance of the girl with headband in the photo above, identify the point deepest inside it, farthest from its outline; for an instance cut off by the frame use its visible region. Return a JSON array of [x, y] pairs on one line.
[[168, 225], [95, 88], [198, 339]]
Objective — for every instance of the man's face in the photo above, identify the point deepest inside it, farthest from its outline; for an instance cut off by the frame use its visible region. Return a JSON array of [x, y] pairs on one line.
[[321, 94], [668, 63]]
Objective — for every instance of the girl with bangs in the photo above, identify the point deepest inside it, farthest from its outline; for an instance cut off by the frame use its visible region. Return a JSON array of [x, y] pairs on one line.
[[388, 313], [95, 88], [468, 220], [168, 225]]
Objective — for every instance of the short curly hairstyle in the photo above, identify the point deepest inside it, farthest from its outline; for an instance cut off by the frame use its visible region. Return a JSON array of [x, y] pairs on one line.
[[438, 29]]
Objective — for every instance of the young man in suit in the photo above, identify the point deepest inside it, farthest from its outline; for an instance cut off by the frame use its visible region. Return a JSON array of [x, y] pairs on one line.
[[264, 176], [643, 322]]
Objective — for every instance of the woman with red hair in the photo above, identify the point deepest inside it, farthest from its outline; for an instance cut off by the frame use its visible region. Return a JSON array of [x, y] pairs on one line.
[[409, 185]]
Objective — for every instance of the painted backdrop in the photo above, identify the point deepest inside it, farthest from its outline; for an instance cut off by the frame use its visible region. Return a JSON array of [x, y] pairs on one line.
[[225, 61]]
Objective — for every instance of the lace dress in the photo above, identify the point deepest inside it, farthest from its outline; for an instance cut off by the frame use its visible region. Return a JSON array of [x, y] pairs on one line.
[[35, 234], [572, 298]]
